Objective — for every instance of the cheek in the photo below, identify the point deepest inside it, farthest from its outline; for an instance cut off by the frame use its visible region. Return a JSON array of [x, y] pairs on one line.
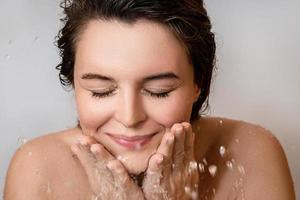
[[174, 109], [91, 111]]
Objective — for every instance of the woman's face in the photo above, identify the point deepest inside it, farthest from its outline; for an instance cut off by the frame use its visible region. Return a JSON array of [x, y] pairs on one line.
[[131, 83]]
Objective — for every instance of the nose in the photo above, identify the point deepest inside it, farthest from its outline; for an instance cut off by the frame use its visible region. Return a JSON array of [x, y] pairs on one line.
[[130, 111]]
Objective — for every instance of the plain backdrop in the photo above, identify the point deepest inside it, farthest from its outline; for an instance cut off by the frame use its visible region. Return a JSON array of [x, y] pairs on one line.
[[257, 80]]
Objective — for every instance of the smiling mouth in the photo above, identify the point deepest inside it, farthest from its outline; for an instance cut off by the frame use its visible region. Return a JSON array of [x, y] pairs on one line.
[[132, 143]]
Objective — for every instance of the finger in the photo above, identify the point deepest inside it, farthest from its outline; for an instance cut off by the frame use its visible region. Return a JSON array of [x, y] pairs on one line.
[[178, 150], [155, 168], [85, 157], [166, 147], [87, 140], [189, 141], [155, 163], [101, 154], [119, 173]]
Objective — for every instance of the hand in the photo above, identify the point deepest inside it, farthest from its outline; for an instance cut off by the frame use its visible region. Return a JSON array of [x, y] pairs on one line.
[[106, 174], [172, 171]]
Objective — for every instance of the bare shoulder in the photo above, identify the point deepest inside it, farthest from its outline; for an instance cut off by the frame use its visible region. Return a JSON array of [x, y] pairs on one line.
[[41, 165], [264, 160], [250, 160]]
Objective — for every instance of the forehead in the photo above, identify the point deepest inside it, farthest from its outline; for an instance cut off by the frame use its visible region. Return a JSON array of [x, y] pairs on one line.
[[115, 45]]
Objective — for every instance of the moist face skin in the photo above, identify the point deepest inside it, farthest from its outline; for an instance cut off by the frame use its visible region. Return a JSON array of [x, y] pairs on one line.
[[131, 81]]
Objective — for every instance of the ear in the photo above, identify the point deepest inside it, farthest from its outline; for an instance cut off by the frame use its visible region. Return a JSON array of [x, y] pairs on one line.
[[197, 92]]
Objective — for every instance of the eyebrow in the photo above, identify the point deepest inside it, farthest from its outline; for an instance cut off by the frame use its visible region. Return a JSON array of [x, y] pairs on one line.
[[164, 75]]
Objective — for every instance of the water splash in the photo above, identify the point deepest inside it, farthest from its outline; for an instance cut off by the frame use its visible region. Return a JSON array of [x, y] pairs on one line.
[[222, 151], [201, 167], [229, 164], [221, 122], [193, 166], [204, 161], [241, 169], [22, 140], [213, 170], [122, 159]]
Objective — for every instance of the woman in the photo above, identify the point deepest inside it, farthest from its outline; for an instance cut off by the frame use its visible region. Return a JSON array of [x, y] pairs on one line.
[[141, 72]]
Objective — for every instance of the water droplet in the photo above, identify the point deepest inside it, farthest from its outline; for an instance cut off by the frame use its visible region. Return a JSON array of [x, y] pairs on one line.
[[29, 153], [201, 167], [193, 166], [10, 42], [22, 140], [222, 151], [187, 189], [36, 38], [237, 140], [49, 190], [7, 57], [204, 161], [229, 164], [122, 159], [221, 122], [212, 170], [214, 191], [241, 169]]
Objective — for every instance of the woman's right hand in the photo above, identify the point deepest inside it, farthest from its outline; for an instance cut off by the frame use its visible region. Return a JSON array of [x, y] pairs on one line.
[[107, 176]]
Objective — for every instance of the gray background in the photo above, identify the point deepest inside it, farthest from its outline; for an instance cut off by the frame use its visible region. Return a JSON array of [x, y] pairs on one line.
[[257, 78]]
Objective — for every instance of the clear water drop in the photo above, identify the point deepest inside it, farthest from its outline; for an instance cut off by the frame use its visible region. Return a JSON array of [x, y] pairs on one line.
[[9, 42], [237, 140], [22, 140], [222, 151], [29, 153], [36, 38], [193, 166], [201, 167], [122, 159], [241, 169], [213, 170], [221, 122], [229, 165], [204, 161]]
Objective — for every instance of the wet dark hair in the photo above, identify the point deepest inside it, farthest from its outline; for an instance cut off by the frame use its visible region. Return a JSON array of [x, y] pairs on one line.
[[187, 19]]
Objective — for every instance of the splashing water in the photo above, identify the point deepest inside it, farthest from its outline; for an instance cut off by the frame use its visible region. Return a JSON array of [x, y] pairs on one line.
[[204, 161], [213, 170], [221, 122], [229, 164], [22, 140], [122, 159], [222, 151], [241, 169], [201, 167], [193, 166]]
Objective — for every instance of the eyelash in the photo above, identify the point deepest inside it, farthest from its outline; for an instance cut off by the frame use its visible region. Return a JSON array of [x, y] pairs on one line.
[[109, 93]]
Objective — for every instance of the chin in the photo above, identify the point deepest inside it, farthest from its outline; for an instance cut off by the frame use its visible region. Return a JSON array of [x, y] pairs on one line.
[[135, 162]]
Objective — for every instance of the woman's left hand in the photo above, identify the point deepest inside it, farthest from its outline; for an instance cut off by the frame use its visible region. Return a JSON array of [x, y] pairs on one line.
[[172, 171]]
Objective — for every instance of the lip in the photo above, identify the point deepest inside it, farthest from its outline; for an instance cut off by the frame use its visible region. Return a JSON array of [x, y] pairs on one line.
[[133, 142]]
